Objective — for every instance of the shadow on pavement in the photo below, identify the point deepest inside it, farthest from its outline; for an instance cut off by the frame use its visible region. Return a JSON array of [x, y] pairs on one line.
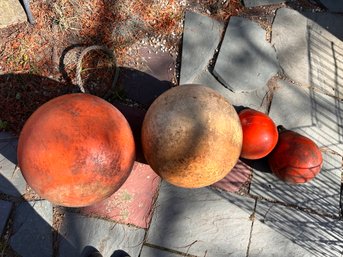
[[27, 225]]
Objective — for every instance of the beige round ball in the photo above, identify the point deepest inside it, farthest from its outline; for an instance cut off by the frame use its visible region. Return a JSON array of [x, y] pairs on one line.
[[191, 136]]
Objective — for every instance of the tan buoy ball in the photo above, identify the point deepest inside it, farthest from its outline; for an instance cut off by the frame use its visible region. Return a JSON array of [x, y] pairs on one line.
[[191, 136]]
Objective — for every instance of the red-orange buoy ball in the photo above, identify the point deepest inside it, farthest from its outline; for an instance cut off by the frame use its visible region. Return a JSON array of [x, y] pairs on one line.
[[191, 136], [75, 150], [260, 134], [295, 158]]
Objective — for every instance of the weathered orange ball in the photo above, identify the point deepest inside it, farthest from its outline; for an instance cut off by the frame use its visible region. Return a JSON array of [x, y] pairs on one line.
[[260, 134], [191, 136], [296, 158], [76, 150]]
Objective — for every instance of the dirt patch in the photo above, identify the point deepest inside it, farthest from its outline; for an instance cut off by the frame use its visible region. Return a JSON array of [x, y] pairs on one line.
[[38, 62]]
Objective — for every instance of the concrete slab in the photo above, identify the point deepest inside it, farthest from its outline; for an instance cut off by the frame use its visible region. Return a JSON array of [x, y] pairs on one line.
[[236, 178], [200, 222], [201, 37], [333, 5], [12, 13], [308, 50], [321, 194], [5, 210], [32, 229], [154, 252], [11, 180], [246, 61], [279, 229], [309, 113], [254, 3], [133, 202], [78, 232]]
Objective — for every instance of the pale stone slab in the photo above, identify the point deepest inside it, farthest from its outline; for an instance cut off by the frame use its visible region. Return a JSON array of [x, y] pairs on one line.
[[78, 232], [12, 13], [279, 229], [200, 222], [289, 39], [246, 61], [154, 252], [201, 37], [32, 229], [198, 50], [11, 179], [321, 194], [308, 50], [254, 3], [253, 99], [310, 113]]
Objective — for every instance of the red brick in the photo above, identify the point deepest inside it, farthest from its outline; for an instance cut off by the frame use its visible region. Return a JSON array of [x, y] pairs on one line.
[[133, 202], [236, 177]]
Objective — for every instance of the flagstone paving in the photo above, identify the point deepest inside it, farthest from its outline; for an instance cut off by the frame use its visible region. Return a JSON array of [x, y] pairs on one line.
[[279, 229], [78, 232], [31, 229], [248, 213], [211, 226], [246, 61]]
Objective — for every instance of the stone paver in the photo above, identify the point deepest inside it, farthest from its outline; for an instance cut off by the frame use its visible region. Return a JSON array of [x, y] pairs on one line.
[[5, 210], [333, 5], [199, 222], [32, 232], [145, 85], [253, 99], [236, 178], [11, 13], [154, 252], [78, 232], [198, 47], [246, 61], [321, 194], [159, 64], [278, 229], [11, 179], [307, 52], [310, 113], [132, 203], [254, 3], [194, 66]]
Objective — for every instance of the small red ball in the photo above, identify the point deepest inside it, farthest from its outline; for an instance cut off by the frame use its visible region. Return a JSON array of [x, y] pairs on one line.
[[296, 158], [260, 134]]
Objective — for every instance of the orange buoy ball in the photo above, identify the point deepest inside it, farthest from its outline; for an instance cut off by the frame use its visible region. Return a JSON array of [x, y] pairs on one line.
[[296, 158], [75, 150], [260, 134], [191, 136]]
